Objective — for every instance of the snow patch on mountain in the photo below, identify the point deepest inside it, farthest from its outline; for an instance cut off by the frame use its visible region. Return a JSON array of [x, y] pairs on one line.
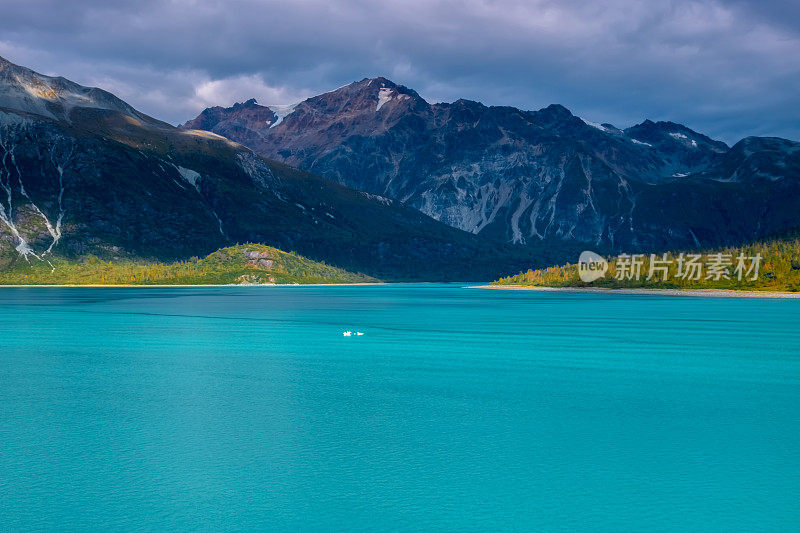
[[377, 198], [12, 179], [637, 141], [595, 125], [189, 175], [282, 111], [385, 94]]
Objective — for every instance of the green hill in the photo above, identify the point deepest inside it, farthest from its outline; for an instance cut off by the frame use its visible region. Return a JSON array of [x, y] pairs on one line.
[[779, 270], [243, 265]]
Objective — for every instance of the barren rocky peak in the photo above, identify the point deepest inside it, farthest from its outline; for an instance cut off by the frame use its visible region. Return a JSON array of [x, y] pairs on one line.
[[22, 89], [517, 175]]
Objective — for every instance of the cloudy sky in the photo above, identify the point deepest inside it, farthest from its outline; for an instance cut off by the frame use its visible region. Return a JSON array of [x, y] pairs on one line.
[[726, 68]]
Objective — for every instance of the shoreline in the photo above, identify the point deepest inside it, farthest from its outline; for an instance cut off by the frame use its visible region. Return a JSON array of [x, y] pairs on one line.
[[714, 293], [165, 286]]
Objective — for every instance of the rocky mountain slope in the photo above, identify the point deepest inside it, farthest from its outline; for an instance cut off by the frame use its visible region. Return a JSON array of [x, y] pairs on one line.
[[82, 172], [529, 177]]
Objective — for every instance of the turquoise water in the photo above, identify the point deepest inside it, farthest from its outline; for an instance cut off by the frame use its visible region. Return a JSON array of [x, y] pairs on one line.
[[458, 410]]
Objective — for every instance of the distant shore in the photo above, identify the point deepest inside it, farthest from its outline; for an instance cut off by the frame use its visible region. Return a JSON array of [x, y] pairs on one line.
[[716, 293]]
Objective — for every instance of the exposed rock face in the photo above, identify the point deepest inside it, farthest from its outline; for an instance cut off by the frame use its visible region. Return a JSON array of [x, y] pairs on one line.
[[72, 194], [259, 259], [250, 119], [83, 172], [529, 176], [254, 255], [24, 90]]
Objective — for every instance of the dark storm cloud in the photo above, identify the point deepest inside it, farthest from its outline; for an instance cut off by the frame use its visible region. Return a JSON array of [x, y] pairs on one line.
[[726, 68]]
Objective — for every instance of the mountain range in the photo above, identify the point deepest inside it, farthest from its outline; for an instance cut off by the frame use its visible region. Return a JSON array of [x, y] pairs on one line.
[[371, 178], [82, 172], [528, 177]]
